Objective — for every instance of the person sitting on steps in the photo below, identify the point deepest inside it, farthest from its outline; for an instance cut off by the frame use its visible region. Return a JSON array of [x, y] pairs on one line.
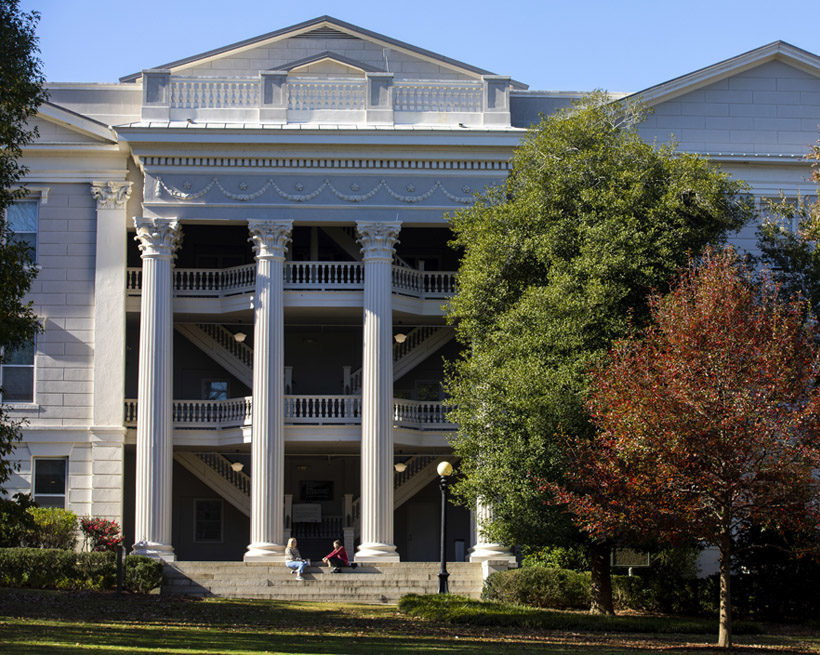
[[337, 558], [293, 559]]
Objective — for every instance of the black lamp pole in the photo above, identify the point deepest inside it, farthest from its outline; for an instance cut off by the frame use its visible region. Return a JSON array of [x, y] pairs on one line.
[[444, 470]]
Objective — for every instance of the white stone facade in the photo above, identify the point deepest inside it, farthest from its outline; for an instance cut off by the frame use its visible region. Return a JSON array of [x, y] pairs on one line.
[[253, 367]]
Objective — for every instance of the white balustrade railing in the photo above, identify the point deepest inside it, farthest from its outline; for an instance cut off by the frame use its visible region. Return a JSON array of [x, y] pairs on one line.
[[214, 93], [424, 284], [412, 340], [302, 409], [442, 97], [420, 415], [324, 275], [323, 409], [317, 276], [326, 95], [412, 466]]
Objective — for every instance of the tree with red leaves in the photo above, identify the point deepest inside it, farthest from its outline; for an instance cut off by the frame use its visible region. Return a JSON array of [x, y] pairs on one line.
[[709, 423]]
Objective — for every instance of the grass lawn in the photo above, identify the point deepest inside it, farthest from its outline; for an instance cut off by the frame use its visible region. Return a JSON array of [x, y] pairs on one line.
[[50, 622]]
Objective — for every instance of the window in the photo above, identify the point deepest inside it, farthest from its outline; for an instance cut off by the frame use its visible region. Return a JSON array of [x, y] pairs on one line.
[[17, 374], [428, 391], [22, 218], [215, 389], [50, 482], [208, 521]]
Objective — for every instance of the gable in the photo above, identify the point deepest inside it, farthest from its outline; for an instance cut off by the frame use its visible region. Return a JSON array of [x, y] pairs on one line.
[[772, 108], [276, 50], [58, 125]]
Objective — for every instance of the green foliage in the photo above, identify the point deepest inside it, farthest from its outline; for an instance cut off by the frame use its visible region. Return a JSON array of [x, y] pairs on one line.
[[557, 264], [788, 237], [573, 558], [538, 586], [459, 610], [21, 92], [15, 520], [142, 574], [53, 528], [42, 568]]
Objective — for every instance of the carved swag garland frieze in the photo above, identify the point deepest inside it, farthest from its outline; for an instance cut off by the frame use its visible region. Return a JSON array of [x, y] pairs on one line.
[[161, 187]]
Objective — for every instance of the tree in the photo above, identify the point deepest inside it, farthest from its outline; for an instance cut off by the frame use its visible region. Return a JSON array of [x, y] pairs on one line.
[[708, 424], [788, 236], [21, 92], [557, 264]]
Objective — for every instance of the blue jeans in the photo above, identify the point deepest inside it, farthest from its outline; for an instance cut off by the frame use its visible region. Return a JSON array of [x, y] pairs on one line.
[[297, 566]]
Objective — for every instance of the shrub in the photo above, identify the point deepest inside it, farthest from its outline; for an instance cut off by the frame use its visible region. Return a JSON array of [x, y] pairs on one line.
[[101, 535], [53, 528], [142, 574], [557, 557], [539, 586], [15, 521], [43, 568]]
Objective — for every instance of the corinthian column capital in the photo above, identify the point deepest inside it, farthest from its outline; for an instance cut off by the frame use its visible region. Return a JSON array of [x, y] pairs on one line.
[[269, 238], [158, 237], [378, 238], [111, 195]]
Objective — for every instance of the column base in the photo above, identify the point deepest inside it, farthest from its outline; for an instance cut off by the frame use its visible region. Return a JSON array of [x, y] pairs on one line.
[[265, 552], [495, 552], [155, 550], [377, 552]]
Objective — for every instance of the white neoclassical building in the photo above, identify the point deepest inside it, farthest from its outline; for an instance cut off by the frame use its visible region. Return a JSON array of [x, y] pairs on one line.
[[243, 260]]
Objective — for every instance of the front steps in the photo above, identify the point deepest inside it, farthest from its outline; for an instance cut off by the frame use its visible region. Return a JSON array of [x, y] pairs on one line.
[[369, 583]]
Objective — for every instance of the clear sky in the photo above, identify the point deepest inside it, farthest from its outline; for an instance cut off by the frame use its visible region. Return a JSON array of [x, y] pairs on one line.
[[616, 45]]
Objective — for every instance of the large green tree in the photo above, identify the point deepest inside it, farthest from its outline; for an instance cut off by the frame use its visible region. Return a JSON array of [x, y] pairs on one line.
[[21, 92], [557, 264], [788, 239]]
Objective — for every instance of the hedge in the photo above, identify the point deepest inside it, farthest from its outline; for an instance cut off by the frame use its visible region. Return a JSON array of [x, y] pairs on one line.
[[43, 568]]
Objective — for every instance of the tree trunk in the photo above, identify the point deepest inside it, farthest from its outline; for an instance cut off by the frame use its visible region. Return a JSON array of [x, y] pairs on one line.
[[600, 590], [725, 631]]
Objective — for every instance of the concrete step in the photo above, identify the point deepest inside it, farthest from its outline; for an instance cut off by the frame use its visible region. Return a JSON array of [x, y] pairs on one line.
[[369, 583]]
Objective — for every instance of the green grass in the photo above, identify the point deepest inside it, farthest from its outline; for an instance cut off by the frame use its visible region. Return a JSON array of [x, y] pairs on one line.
[[34, 622]]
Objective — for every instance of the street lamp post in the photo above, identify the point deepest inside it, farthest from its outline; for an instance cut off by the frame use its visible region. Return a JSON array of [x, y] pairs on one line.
[[445, 469]]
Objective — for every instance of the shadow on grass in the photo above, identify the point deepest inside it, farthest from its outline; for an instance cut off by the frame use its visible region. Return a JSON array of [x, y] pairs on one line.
[[38, 622]]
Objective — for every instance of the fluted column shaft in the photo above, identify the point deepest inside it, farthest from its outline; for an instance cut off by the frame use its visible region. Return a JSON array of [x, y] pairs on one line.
[[158, 239], [270, 240], [485, 550], [378, 240]]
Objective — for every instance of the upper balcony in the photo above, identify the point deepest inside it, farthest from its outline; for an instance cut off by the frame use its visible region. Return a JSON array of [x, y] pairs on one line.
[[374, 98], [299, 276]]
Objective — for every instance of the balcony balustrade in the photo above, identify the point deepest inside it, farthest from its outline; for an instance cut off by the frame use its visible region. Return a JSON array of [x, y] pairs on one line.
[[303, 276], [276, 97], [299, 410]]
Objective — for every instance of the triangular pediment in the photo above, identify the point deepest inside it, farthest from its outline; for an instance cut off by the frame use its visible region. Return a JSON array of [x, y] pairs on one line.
[[58, 125], [330, 63], [349, 44]]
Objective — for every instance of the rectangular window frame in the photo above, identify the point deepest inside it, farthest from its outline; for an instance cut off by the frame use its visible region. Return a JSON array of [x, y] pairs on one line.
[[40, 496], [34, 240], [4, 366], [196, 521]]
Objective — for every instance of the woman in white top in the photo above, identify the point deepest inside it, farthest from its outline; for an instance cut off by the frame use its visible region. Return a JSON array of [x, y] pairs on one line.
[[294, 561]]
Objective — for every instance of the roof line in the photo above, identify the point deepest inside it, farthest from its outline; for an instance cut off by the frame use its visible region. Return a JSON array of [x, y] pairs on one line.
[[314, 22]]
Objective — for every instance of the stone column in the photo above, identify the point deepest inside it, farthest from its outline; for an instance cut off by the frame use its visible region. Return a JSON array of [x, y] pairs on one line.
[[159, 238], [377, 241], [107, 430], [494, 556], [270, 240]]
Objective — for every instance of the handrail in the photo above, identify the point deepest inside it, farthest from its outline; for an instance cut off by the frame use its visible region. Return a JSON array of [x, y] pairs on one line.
[[314, 276], [298, 409]]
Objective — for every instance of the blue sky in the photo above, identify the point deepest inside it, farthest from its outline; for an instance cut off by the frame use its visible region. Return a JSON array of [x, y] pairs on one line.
[[624, 45]]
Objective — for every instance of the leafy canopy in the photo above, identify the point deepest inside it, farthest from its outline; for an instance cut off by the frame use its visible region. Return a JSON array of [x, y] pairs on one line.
[[557, 264], [709, 424], [21, 92]]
